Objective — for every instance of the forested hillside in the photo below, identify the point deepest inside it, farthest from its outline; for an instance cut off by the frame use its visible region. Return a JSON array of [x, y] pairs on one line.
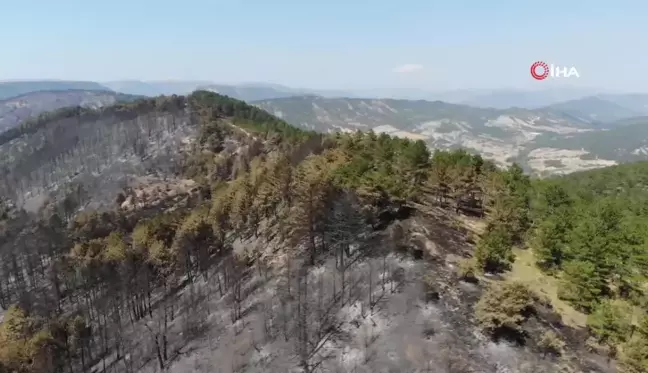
[[306, 252], [590, 230]]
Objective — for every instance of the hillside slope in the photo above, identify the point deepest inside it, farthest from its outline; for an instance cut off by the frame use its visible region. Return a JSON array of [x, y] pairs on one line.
[[295, 252], [637, 102], [626, 141], [16, 109], [96, 148]]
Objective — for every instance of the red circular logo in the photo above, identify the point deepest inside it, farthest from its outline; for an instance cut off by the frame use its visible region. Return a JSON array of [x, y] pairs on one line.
[[534, 70]]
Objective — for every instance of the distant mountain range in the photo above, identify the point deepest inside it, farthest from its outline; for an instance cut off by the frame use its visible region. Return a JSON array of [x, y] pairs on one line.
[[530, 99], [18, 88], [154, 88], [556, 139], [499, 99], [255, 92], [566, 98], [545, 135], [601, 110]]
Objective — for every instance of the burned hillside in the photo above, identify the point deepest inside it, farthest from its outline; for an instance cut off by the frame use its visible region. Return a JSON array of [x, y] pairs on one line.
[[287, 251]]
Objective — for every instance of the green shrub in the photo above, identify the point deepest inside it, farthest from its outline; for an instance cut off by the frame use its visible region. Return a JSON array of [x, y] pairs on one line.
[[634, 356], [580, 285], [610, 323], [494, 252], [503, 307]]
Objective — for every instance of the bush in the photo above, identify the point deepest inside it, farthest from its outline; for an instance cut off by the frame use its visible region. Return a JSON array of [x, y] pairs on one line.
[[503, 307], [634, 356], [581, 285], [551, 343], [610, 323], [467, 270], [494, 250], [593, 346]]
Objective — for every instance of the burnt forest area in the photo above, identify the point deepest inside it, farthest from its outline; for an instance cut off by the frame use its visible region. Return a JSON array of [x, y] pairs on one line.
[[202, 234]]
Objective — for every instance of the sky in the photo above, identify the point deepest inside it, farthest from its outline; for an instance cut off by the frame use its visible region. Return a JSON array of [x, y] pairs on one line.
[[333, 44]]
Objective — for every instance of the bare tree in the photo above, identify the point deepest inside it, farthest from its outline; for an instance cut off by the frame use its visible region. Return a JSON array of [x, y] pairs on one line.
[[344, 226], [236, 292]]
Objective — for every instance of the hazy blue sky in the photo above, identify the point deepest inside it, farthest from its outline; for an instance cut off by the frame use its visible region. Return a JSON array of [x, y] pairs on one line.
[[327, 44]]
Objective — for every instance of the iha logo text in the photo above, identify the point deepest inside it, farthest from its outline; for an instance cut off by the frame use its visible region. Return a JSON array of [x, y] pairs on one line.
[[541, 71]]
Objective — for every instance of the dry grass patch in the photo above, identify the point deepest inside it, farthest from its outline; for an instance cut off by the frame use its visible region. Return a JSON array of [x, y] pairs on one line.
[[524, 270], [475, 226]]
